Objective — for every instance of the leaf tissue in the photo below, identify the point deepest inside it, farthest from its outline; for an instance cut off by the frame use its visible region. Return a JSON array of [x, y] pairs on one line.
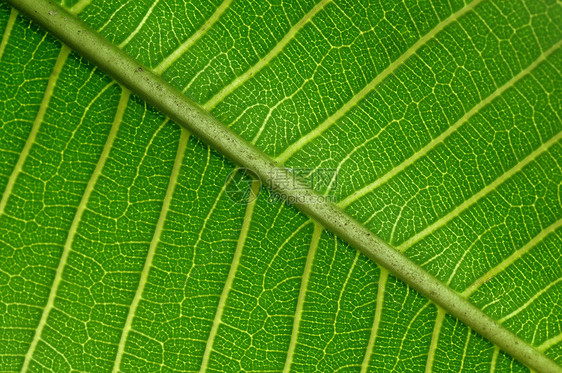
[[145, 146]]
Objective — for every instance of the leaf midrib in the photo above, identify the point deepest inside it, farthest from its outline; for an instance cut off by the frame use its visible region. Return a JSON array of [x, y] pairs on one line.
[[183, 111]]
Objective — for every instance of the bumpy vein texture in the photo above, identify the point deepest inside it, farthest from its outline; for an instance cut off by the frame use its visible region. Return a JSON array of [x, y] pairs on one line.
[[438, 124]]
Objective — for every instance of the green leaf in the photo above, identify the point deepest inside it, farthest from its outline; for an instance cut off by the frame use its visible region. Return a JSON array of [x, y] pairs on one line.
[[129, 245]]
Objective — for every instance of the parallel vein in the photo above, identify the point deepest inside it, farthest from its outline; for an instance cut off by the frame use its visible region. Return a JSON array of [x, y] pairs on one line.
[[376, 320], [231, 273], [483, 192], [511, 259], [152, 249], [320, 129], [8, 31], [74, 226], [63, 55], [439, 139], [178, 52], [219, 96], [316, 234]]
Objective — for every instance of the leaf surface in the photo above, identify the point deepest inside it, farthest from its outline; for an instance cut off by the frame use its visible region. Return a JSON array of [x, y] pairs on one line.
[[436, 125]]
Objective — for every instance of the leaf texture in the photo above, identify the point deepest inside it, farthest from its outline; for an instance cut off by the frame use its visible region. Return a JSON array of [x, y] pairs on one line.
[[438, 127]]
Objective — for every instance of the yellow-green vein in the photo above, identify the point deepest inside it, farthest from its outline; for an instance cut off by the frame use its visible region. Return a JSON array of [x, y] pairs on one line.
[[316, 234], [511, 259], [376, 320], [139, 26], [434, 339], [152, 249], [439, 139], [63, 55], [320, 129], [8, 31], [219, 96], [482, 193], [254, 190], [176, 54], [74, 226]]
